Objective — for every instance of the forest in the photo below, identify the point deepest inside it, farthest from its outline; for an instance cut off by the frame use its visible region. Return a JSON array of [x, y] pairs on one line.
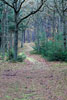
[[33, 49]]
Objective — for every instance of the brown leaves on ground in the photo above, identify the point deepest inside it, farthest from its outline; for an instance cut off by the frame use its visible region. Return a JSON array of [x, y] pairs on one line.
[[34, 79]]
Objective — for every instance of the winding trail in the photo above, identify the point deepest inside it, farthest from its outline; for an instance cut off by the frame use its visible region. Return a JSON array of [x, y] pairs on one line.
[[37, 61], [34, 79]]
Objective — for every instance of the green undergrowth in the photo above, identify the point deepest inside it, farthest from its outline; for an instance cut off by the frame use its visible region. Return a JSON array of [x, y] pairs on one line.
[[34, 52], [10, 57], [51, 48], [31, 59], [51, 53]]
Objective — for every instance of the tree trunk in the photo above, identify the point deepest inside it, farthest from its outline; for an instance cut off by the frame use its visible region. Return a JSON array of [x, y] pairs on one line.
[[10, 43], [3, 39], [64, 34], [38, 40], [0, 40], [64, 19], [16, 43], [16, 37], [6, 29], [3, 32], [28, 36], [53, 24], [22, 38]]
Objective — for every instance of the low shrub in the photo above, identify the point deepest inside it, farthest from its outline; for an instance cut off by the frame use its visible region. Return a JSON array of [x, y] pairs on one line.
[[21, 57], [57, 55], [33, 52], [52, 50], [10, 54]]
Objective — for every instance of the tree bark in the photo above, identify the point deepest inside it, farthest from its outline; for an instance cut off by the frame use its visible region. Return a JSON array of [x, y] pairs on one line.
[[65, 34], [16, 42], [22, 38], [10, 43], [53, 24], [16, 35]]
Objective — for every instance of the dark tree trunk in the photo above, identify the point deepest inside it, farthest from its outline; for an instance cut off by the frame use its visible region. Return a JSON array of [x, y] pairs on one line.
[[10, 44], [16, 36], [33, 36], [64, 34], [0, 40], [28, 36], [22, 39], [53, 24], [16, 43]]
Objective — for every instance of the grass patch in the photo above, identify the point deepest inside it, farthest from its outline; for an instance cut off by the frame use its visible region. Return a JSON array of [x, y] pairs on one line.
[[34, 52], [30, 59]]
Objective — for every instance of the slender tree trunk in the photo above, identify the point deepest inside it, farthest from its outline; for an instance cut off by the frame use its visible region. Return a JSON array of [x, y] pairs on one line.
[[10, 44], [28, 36], [53, 24], [0, 40], [64, 34], [3, 32], [64, 19], [38, 40], [6, 30], [33, 36], [22, 38], [3, 39]]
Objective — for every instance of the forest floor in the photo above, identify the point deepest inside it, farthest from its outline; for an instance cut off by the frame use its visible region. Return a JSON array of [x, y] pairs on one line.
[[33, 79]]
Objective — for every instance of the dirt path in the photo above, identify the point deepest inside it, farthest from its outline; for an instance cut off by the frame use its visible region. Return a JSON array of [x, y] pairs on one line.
[[34, 79], [37, 61]]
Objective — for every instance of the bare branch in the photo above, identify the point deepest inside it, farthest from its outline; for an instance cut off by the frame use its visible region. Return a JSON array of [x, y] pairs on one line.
[[50, 8], [33, 12], [4, 1], [59, 11], [65, 10], [21, 5]]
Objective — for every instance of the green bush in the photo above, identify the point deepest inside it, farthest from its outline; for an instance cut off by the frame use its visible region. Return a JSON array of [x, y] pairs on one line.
[[58, 55], [10, 55], [33, 52], [21, 57], [53, 50]]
